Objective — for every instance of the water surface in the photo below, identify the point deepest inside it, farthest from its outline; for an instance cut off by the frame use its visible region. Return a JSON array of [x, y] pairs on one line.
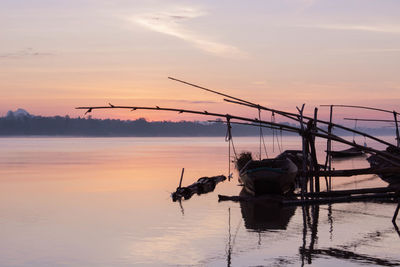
[[106, 202]]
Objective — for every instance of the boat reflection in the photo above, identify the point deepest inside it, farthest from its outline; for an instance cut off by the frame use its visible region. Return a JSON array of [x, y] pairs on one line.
[[265, 216]]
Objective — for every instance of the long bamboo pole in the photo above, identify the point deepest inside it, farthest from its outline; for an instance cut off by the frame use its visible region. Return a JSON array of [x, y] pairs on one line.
[[206, 113], [361, 107], [375, 120], [383, 154], [291, 115], [352, 172], [212, 91], [341, 199], [254, 105], [251, 124], [352, 192]]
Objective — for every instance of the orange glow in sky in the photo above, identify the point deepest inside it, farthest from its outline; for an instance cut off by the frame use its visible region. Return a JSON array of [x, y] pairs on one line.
[[57, 56]]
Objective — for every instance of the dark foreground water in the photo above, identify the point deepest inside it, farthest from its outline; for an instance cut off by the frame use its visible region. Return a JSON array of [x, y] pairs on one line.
[[106, 202]]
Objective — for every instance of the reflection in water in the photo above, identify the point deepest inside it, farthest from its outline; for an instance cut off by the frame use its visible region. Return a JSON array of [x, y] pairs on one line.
[[231, 240], [181, 206], [263, 216], [350, 256], [396, 228], [310, 222], [369, 238], [105, 203], [229, 247], [330, 219]]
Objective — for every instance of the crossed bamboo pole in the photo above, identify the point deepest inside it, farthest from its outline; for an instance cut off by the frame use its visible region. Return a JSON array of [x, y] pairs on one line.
[[395, 160]]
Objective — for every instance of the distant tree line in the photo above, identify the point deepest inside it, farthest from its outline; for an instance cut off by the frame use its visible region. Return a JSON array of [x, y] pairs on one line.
[[11, 125], [65, 126]]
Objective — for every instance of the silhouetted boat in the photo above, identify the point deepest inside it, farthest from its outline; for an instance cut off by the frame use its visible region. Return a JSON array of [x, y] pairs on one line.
[[268, 176], [377, 162], [296, 156], [347, 153]]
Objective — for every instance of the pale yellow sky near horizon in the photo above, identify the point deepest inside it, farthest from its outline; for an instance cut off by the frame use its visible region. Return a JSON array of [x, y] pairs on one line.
[[56, 55]]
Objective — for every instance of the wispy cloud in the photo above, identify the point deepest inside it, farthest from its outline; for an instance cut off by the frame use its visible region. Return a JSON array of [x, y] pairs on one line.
[[28, 52], [356, 27], [171, 23], [367, 50]]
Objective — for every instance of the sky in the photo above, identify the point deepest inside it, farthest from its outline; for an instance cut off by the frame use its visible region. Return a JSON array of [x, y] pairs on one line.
[[57, 55]]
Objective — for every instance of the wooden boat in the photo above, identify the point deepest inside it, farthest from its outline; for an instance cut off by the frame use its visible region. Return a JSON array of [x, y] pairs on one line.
[[347, 153], [268, 176], [377, 162], [296, 156]]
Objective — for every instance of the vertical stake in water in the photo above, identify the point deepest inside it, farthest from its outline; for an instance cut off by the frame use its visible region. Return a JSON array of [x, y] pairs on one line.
[[330, 149], [316, 166], [304, 171], [328, 160], [229, 160], [397, 128], [259, 117], [180, 182], [228, 138]]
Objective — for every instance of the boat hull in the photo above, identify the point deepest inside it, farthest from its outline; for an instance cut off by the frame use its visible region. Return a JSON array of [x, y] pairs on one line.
[[376, 162], [271, 176], [347, 153]]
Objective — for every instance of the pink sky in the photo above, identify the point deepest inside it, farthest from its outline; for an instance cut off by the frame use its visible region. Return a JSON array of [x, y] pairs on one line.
[[56, 56]]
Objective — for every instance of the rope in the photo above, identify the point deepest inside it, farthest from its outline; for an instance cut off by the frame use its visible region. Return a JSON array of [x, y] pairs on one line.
[[262, 136], [228, 138], [355, 128], [279, 144], [275, 136], [273, 132]]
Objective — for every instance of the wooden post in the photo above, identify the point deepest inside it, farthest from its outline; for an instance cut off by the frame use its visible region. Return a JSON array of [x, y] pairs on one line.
[[229, 159], [397, 129], [310, 151], [180, 182], [316, 166], [328, 160], [304, 149], [260, 141]]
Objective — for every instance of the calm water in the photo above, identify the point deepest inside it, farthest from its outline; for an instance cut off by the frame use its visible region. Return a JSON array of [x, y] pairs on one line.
[[106, 202]]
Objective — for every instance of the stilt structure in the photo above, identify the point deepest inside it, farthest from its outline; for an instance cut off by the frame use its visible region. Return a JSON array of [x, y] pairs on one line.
[[308, 130]]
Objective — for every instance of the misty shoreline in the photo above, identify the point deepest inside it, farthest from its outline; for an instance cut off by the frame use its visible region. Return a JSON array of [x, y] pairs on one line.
[[23, 124]]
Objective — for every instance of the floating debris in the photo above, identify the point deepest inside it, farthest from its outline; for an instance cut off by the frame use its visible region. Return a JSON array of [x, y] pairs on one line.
[[202, 186]]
